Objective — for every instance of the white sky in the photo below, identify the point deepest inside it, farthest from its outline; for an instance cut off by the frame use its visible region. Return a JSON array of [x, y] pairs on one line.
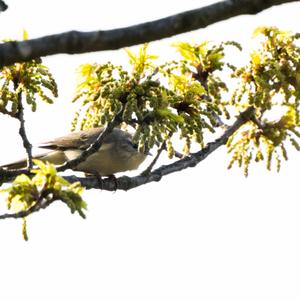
[[204, 233]]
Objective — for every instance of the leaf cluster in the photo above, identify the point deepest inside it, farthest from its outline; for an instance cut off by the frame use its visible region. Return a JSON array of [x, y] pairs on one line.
[[270, 82], [27, 194], [205, 62], [29, 80], [189, 96], [157, 100]]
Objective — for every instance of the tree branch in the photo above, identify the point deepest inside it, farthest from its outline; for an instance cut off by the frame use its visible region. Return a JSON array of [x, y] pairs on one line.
[[7, 112], [3, 6], [41, 204], [153, 162], [81, 42], [22, 131], [127, 183]]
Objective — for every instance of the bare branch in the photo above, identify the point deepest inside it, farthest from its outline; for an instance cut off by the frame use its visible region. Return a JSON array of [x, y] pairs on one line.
[[81, 42], [127, 183], [153, 162], [22, 131]]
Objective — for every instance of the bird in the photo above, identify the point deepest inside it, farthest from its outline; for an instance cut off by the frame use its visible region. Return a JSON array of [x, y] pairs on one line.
[[117, 153]]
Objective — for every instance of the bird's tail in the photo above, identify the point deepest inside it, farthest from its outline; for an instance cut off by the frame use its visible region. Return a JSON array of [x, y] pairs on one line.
[[55, 157], [19, 164]]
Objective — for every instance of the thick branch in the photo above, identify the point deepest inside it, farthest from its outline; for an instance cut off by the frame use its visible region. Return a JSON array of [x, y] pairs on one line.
[[127, 183], [9, 175], [82, 42]]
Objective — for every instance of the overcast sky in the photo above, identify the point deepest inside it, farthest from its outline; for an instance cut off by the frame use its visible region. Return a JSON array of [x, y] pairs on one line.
[[204, 233]]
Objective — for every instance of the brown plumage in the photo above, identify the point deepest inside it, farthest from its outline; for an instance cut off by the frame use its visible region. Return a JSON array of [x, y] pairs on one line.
[[116, 154]]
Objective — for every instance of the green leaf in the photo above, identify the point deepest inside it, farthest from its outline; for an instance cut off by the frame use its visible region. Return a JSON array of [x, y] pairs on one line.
[[22, 179], [255, 58], [166, 113], [25, 35]]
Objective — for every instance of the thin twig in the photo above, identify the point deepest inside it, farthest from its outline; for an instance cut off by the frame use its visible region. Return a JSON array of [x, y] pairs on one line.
[[153, 162], [22, 131], [7, 112], [41, 204]]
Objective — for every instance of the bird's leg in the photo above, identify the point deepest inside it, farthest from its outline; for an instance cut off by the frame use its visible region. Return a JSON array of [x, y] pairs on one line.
[[99, 180], [98, 177]]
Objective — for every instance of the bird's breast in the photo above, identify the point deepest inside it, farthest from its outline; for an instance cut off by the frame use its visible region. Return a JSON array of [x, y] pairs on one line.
[[104, 162]]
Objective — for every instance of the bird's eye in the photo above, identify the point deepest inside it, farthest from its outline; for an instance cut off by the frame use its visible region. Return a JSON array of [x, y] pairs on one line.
[[129, 146]]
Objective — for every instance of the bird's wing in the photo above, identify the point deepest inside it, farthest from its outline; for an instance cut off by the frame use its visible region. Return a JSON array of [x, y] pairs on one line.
[[83, 139], [75, 140]]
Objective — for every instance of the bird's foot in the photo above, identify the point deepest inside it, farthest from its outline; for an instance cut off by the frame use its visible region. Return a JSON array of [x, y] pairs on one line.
[[98, 177], [100, 180], [114, 179]]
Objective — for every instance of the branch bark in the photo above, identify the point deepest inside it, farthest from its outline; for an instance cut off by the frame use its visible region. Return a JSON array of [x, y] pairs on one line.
[[22, 131], [3, 6], [24, 213], [81, 42]]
